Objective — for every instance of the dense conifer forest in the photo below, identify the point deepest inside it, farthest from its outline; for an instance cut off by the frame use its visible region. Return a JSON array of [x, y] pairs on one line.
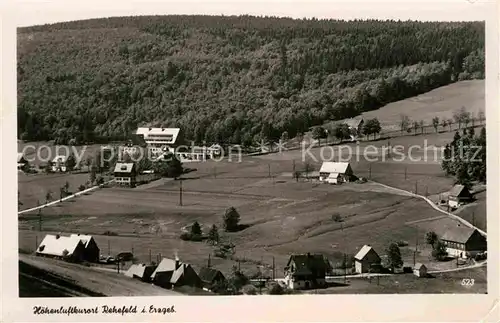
[[228, 79]]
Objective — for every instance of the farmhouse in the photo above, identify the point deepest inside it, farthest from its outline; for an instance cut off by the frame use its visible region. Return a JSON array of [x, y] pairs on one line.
[[306, 271], [56, 246], [420, 270], [125, 174], [159, 140], [91, 252], [458, 195], [365, 259], [211, 277], [21, 161], [464, 242], [335, 173], [59, 163], [142, 272], [172, 273]]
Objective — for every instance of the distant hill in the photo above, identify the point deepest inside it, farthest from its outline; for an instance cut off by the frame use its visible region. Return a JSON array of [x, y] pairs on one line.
[[228, 79]]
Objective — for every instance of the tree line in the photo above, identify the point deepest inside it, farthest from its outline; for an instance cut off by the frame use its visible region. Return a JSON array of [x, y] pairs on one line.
[[228, 79]]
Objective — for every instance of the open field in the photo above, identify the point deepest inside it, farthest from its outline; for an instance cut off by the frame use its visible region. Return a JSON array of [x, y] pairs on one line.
[[440, 102], [450, 282], [69, 278], [34, 187], [282, 217]]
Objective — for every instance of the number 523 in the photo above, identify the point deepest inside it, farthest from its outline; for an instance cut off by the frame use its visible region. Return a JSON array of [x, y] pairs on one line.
[[467, 282]]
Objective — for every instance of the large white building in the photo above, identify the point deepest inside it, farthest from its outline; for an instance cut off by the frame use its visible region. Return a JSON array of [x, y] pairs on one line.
[[159, 139]]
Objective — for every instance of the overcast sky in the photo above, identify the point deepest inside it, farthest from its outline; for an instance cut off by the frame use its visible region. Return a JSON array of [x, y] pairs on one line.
[[35, 12]]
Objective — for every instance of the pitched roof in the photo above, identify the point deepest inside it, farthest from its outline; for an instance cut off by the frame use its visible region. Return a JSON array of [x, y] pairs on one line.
[[83, 237], [146, 132], [352, 123], [419, 265], [124, 167], [308, 263], [334, 167], [140, 270], [458, 234], [20, 157], [363, 252], [181, 271], [165, 265], [457, 189], [55, 245], [208, 274]]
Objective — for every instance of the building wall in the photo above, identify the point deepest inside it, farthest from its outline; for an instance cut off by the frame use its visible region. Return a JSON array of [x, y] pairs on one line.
[[476, 243], [454, 252], [453, 203], [92, 252]]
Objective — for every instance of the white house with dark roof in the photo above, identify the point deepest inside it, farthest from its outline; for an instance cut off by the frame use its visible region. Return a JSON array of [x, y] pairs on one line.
[[141, 271], [335, 172], [365, 258], [61, 247]]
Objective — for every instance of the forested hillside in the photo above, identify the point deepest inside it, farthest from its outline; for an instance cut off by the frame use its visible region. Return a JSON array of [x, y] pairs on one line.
[[228, 79]]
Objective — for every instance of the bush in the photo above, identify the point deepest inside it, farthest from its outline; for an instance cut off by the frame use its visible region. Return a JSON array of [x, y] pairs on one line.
[[249, 290], [81, 187], [110, 233], [231, 220]]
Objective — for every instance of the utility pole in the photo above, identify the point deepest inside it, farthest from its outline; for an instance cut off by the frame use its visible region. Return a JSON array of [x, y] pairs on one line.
[[473, 220], [344, 255], [208, 264], [405, 173], [36, 242], [109, 248], [293, 168], [416, 249], [274, 275], [370, 170], [150, 256], [269, 169], [180, 192], [416, 187]]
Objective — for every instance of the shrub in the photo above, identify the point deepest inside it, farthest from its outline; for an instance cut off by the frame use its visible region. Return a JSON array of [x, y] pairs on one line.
[[231, 219], [402, 243], [276, 289], [249, 290], [81, 187]]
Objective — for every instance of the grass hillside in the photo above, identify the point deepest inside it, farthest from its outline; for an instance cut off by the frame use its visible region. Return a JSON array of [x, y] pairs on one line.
[[228, 79]]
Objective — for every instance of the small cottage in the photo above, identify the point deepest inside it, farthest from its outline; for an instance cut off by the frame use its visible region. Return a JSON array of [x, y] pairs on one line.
[[459, 195], [420, 270], [335, 172], [365, 259], [307, 271], [464, 242]]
